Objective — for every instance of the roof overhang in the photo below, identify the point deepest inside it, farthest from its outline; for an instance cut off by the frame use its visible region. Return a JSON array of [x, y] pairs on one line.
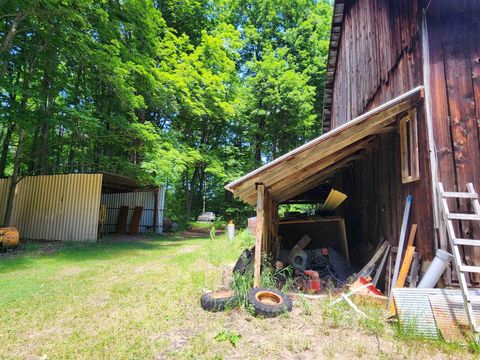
[[308, 165]]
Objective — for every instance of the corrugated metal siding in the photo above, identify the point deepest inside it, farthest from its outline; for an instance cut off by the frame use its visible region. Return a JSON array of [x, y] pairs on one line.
[[57, 207], [4, 184], [415, 311], [146, 199]]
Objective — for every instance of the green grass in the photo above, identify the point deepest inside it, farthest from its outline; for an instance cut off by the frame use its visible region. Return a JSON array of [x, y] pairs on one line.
[[140, 300], [103, 300]]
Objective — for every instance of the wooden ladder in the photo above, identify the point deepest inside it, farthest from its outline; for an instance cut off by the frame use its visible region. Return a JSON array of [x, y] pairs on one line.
[[456, 242]]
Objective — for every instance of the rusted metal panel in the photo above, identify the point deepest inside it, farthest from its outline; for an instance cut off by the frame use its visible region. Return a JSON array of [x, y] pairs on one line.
[[57, 207], [450, 314], [416, 309], [145, 199]]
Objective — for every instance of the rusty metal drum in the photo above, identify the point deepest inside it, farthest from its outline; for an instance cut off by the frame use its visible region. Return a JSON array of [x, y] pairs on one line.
[[9, 237]]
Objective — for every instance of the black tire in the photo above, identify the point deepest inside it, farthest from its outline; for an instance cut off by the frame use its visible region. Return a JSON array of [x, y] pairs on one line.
[[268, 302], [245, 261], [219, 300]]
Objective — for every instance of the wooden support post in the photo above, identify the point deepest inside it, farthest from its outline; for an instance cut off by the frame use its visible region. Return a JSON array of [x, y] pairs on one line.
[[259, 234]]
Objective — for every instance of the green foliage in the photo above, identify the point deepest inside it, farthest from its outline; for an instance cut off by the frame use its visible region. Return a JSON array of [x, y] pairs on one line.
[[230, 336], [189, 94]]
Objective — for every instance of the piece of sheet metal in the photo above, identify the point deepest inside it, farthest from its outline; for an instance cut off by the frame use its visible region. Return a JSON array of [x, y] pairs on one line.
[[450, 315], [415, 312]]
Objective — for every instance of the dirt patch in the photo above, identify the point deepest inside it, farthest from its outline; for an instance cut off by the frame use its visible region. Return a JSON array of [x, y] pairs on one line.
[[33, 247]]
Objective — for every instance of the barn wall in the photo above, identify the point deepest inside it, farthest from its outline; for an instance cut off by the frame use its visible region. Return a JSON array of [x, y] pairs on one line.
[[376, 198], [379, 58], [454, 68]]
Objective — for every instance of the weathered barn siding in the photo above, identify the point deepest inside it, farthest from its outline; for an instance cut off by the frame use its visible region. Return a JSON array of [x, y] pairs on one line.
[[57, 207], [379, 58], [454, 67], [376, 198]]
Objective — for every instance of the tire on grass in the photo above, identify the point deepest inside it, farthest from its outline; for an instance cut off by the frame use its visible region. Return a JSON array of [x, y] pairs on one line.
[[269, 302], [219, 300], [245, 261]]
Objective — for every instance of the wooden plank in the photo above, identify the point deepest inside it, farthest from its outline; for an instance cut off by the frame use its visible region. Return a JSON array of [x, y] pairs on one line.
[[414, 269], [402, 276], [122, 220], [137, 215], [343, 239], [317, 178], [259, 235], [411, 237], [334, 199], [372, 261]]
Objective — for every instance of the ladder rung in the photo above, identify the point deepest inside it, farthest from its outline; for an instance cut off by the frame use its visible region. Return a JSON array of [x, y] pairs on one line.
[[470, 269], [457, 216], [463, 195], [469, 242]]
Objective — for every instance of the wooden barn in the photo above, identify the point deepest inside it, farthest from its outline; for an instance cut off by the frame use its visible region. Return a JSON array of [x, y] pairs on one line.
[[402, 113]]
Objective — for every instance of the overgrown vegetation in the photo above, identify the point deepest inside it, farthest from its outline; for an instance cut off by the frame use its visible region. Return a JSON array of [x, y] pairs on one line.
[[189, 94], [140, 299]]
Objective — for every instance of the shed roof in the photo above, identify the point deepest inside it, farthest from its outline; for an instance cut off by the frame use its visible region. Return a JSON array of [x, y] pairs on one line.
[[308, 165]]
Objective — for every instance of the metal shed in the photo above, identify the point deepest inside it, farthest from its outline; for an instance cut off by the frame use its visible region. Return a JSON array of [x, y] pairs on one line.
[[66, 207]]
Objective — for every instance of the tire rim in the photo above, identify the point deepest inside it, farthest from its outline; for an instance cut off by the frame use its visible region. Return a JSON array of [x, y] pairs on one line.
[[222, 294], [269, 298]]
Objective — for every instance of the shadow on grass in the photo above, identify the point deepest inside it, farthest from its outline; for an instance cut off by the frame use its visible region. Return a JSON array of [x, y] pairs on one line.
[[30, 252]]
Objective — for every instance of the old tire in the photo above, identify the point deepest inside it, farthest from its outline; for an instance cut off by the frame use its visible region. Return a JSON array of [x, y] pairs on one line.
[[269, 302], [244, 262], [219, 300]]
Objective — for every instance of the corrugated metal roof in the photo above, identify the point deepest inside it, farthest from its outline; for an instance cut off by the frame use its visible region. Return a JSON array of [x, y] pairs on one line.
[[57, 207], [415, 311]]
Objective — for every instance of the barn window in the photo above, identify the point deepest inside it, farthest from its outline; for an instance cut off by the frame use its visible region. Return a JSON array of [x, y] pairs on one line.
[[409, 147]]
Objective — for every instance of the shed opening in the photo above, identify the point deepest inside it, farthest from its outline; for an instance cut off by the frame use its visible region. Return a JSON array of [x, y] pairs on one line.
[[362, 159]]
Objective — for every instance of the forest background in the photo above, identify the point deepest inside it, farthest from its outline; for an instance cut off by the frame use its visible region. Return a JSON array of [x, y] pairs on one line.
[[188, 94]]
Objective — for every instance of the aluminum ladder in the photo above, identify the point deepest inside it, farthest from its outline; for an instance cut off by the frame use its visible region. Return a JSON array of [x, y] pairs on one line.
[[455, 243]]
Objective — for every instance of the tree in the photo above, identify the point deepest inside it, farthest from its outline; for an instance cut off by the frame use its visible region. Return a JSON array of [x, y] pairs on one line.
[[191, 94]]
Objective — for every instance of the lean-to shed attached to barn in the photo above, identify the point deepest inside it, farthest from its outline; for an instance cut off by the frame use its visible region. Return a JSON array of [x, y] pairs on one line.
[[401, 113]]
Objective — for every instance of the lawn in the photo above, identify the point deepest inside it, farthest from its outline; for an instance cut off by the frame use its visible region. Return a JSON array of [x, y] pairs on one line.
[[140, 300]]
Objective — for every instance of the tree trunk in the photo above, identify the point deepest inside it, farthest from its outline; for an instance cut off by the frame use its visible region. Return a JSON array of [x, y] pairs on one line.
[[5, 147], [14, 180], [188, 196]]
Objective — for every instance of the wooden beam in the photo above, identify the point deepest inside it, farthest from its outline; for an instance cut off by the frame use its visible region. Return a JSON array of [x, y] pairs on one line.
[[331, 142], [402, 276], [259, 234], [316, 179]]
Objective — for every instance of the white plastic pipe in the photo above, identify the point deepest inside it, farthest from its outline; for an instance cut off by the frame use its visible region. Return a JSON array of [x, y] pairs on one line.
[[435, 270]]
